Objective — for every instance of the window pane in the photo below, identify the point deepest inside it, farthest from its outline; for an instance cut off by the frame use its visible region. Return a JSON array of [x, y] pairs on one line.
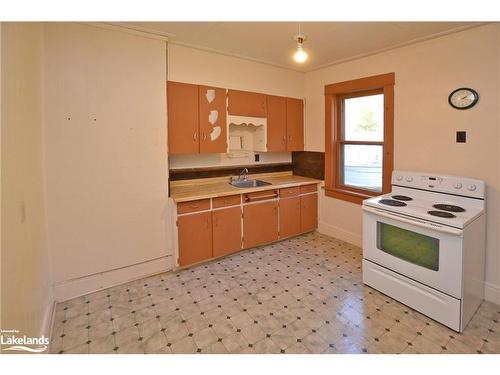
[[413, 247], [361, 166], [364, 118]]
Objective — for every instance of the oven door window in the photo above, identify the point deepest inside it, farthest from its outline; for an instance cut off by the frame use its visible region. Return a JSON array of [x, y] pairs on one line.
[[413, 247]]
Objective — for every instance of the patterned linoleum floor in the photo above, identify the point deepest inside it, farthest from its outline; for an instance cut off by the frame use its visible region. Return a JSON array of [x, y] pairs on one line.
[[302, 295]]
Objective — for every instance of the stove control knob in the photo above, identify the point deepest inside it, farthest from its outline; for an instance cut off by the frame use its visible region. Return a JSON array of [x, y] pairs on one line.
[[458, 185], [409, 179], [471, 187], [399, 177]]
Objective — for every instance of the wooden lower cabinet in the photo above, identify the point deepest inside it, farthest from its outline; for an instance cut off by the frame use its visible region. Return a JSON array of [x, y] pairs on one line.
[[226, 231], [195, 237], [289, 217], [260, 223], [308, 212], [210, 234]]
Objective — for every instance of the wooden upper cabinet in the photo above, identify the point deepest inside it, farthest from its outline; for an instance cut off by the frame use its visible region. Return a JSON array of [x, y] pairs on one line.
[[289, 217], [183, 128], [260, 223], [308, 212], [226, 231], [276, 123], [212, 115], [195, 237], [245, 103], [295, 124]]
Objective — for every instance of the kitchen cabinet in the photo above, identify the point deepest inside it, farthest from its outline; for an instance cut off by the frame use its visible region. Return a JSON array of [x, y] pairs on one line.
[[308, 212], [260, 223], [196, 119], [246, 103], [276, 123], [183, 118], [226, 231], [212, 119], [290, 218], [294, 124], [195, 237], [214, 227]]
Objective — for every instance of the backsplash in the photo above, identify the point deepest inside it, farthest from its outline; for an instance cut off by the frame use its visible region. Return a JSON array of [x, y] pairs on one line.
[[309, 164], [302, 163], [208, 172], [227, 160]]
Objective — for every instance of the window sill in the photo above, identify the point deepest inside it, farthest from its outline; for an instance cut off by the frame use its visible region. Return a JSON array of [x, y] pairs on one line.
[[347, 195]]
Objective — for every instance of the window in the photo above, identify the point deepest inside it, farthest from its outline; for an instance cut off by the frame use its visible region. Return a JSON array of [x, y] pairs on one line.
[[411, 246], [359, 137]]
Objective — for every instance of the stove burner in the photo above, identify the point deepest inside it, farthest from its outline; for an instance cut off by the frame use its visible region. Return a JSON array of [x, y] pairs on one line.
[[449, 207], [446, 215], [402, 198], [392, 202]]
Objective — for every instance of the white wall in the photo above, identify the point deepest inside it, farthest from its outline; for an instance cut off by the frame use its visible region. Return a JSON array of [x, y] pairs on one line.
[[26, 299], [201, 67], [424, 123], [105, 154]]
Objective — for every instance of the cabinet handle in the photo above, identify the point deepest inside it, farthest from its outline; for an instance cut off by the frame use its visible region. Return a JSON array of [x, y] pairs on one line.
[[195, 136], [215, 221], [284, 139], [204, 135], [194, 206], [262, 197]]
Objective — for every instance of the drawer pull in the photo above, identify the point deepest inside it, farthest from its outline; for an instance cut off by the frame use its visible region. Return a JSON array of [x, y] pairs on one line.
[[261, 197], [194, 205]]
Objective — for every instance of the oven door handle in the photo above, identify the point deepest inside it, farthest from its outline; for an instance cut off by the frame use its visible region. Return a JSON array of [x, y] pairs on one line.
[[416, 222]]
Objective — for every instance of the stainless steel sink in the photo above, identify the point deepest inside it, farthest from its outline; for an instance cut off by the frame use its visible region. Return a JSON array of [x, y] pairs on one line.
[[248, 183]]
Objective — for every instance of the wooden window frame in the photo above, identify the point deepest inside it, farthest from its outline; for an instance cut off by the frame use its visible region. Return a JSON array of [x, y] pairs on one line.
[[334, 96]]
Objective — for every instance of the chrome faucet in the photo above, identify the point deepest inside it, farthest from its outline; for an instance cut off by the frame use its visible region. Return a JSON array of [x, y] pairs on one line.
[[243, 173]]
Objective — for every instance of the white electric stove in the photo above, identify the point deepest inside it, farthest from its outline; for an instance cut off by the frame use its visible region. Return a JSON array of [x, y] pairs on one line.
[[424, 244]]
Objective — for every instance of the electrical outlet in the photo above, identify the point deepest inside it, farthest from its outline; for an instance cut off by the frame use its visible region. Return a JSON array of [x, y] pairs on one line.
[[461, 136], [257, 157]]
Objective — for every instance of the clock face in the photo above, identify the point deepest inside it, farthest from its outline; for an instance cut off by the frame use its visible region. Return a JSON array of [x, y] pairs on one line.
[[463, 98]]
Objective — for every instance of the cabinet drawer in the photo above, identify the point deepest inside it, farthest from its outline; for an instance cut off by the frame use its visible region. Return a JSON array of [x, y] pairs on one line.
[[308, 188], [289, 192], [193, 206], [260, 196], [231, 200]]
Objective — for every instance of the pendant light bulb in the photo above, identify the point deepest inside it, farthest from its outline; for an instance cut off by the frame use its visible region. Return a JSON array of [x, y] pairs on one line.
[[300, 55]]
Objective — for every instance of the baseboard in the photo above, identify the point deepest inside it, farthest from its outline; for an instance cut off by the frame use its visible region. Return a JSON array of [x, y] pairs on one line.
[[339, 233], [492, 293], [77, 287]]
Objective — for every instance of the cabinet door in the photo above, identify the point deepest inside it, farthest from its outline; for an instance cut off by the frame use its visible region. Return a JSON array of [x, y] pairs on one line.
[[260, 223], [276, 123], [295, 124], [245, 103], [226, 230], [195, 238], [183, 122], [309, 212], [212, 113], [289, 217]]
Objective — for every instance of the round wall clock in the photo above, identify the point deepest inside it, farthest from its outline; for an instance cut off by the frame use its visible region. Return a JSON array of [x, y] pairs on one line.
[[463, 98]]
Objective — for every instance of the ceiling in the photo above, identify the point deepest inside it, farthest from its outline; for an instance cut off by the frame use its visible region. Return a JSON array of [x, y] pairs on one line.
[[272, 42]]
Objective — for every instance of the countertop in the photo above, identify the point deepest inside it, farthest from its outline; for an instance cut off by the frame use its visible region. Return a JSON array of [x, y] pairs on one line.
[[189, 190]]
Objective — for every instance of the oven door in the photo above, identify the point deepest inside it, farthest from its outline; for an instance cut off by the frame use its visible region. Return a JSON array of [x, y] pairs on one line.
[[426, 252]]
